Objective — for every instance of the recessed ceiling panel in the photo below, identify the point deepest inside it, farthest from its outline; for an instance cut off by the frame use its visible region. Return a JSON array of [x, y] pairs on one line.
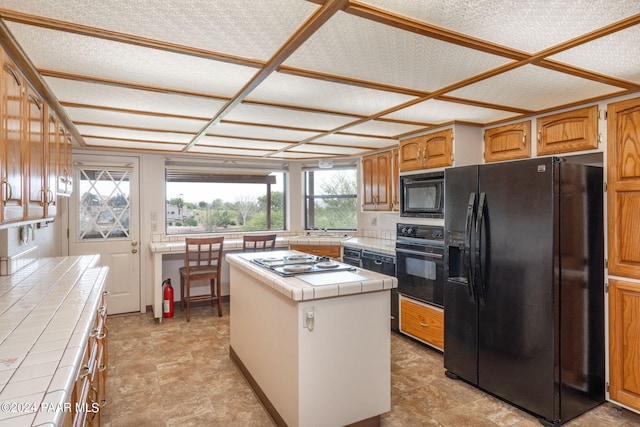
[[356, 141], [118, 133], [437, 112], [288, 117], [69, 91], [114, 118], [248, 28], [322, 94], [326, 149], [259, 132], [526, 25], [241, 143], [362, 49], [132, 145], [604, 55], [125, 62], [298, 156], [228, 151], [534, 88], [382, 128]]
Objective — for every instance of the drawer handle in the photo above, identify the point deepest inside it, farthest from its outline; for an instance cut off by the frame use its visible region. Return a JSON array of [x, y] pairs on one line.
[[423, 322], [85, 374]]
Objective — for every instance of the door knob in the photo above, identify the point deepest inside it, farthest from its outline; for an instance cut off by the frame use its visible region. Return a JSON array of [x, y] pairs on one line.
[[134, 251], [134, 243]]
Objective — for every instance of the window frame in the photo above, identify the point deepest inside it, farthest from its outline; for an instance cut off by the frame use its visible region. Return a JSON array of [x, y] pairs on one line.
[[309, 205]]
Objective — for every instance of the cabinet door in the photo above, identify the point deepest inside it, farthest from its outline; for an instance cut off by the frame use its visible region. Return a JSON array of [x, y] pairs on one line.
[[624, 342], [12, 111], [623, 195], [411, 153], [376, 179], [508, 142], [65, 180], [383, 181], [52, 154], [438, 151], [395, 180], [369, 183], [571, 131], [35, 159]]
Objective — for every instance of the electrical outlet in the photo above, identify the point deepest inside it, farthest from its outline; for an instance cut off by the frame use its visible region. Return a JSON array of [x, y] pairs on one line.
[[374, 221]]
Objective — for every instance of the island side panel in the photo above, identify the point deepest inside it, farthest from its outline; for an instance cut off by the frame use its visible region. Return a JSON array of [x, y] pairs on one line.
[[264, 336], [345, 362]]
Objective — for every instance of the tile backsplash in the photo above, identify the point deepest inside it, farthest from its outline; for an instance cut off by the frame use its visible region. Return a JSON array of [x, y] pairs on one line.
[[11, 264]]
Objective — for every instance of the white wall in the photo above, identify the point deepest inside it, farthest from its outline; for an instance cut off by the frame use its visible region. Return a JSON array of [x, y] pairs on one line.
[[52, 241]]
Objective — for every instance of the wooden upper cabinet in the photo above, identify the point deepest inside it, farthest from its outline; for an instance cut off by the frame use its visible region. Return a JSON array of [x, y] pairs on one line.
[[36, 183], [623, 183], [508, 142], [53, 157], [395, 180], [566, 132], [12, 167], [377, 182], [427, 151], [65, 179]]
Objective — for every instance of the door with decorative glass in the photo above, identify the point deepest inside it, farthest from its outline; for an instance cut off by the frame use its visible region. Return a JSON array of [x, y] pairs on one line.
[[106, 222]]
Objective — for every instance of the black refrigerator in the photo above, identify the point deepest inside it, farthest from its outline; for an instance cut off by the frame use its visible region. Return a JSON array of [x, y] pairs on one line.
[[524, 291]]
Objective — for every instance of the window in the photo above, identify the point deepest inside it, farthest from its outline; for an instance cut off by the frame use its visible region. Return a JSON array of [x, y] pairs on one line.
[[104, 203], [331, 199], [205, 202]]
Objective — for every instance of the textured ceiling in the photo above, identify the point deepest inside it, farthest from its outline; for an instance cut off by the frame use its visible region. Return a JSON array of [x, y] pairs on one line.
[[299, 79]]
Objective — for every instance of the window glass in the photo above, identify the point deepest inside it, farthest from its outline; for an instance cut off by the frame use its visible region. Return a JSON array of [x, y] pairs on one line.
[[208, 203], [331, 199]]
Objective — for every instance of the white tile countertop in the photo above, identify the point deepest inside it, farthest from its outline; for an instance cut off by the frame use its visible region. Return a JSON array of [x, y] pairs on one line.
[[46, 314], [372, 244], [235, 243], [294, 287]]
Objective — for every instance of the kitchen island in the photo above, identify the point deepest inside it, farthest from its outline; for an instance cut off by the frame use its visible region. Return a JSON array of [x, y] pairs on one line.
[[316, 354]]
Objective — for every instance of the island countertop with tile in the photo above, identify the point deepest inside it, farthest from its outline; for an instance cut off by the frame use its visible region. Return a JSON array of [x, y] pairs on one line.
[[47, 311], [305, 287], [315, 346]]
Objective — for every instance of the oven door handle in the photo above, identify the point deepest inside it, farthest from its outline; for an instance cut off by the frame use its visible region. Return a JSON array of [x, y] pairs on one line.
[[426, 254]]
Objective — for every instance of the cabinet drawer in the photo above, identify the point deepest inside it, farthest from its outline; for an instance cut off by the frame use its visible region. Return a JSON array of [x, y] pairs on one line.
[[423, 322], [319, 250]]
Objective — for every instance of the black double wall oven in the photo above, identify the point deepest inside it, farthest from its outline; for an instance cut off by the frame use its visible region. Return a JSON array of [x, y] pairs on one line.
[[420, 262]]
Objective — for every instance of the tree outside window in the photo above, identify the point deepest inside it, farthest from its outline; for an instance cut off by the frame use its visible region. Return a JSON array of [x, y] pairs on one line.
[[331, 199]]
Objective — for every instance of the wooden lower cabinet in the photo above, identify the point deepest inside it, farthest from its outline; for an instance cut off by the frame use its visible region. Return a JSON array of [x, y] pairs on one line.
[[624, 343], [422, 321], [88, 396], [319, 250]]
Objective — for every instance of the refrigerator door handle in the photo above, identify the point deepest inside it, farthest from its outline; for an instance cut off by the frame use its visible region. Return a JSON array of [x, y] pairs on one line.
[[468, 264], [478, 252]]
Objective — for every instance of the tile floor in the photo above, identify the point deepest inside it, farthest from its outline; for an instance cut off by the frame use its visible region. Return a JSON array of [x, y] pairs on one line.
[[176, 373]]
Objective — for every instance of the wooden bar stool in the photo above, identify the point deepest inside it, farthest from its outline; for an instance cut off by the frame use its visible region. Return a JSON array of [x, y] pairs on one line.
[[264, 242], [202, 261]]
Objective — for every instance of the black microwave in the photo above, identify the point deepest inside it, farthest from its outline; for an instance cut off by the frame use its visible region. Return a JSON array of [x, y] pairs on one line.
[[422, 195]]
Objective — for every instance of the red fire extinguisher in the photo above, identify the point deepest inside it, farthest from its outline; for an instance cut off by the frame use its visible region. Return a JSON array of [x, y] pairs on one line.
[[167, 299]]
